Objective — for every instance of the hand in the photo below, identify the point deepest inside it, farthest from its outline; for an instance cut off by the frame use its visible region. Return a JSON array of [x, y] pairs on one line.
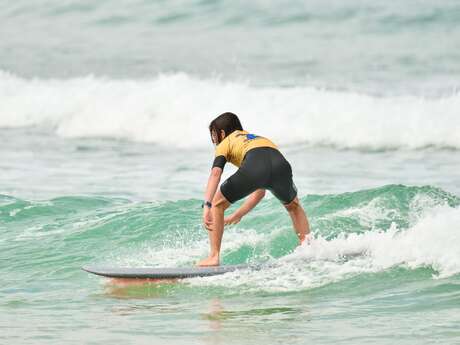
[[207, 218], [232, 219]]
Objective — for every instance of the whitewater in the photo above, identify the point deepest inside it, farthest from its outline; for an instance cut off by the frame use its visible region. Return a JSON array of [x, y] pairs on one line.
[[150, 110], [105, 153]]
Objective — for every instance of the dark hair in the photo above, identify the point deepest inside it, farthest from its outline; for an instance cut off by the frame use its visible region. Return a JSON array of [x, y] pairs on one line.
[[229, 122]]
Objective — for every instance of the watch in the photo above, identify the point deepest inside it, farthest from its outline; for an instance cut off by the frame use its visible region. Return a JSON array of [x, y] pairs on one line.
[[207, 203]]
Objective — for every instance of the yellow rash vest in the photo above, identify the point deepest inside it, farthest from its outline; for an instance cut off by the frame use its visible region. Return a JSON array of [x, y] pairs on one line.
[[235, 146]]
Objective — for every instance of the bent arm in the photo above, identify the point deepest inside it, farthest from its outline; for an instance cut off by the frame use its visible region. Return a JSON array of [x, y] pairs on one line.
[[250, 203], [213, 182]]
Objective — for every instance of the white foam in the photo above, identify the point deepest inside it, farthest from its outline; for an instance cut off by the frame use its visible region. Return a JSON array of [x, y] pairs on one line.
[[434, 241], [365, 213], [175, 110], [177, 251]]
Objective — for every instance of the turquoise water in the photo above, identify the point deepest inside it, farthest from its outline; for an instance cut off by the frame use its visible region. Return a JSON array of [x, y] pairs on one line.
[[386, 258], [359, 44], [105, 153]]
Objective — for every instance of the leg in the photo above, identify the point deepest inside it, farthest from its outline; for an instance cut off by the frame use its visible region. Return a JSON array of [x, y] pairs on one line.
[[283, 188], [299, 219], [219, 205]]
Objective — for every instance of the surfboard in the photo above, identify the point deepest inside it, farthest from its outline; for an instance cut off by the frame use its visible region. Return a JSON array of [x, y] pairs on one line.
[[161, 273]]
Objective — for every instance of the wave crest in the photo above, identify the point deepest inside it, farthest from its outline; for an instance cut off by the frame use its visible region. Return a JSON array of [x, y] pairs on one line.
[[175, 110]]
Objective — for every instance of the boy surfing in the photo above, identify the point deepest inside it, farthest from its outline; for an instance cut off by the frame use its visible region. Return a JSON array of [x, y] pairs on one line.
[[261, 166]]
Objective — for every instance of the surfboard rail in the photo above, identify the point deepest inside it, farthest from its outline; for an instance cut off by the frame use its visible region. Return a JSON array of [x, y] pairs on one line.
[[161, 273]]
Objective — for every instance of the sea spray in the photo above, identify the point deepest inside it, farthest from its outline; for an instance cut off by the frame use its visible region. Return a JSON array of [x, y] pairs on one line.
[[152, 110]]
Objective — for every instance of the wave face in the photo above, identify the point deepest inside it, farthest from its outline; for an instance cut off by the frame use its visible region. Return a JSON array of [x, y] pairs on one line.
[[390, 252], [369, 231], [169, 108]]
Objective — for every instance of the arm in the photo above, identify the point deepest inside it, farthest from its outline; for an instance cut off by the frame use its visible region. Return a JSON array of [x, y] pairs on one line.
[[213, 182], [211, 187], [247, 206]]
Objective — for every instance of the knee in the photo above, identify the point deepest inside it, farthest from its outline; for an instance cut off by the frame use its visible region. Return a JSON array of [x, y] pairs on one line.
[[219, 202], [293, 206]]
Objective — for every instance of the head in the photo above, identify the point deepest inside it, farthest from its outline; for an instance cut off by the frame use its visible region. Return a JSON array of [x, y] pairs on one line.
[[223, 125]]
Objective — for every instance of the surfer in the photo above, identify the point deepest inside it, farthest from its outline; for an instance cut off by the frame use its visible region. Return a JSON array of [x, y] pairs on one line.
[[261, 166]]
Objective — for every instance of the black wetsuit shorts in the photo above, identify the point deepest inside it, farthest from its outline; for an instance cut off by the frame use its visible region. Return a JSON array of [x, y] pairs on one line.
[[262, 168]]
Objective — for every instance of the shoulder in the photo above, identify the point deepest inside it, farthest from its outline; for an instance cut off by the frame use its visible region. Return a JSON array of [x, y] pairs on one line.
[[223, 147], [238, 133]]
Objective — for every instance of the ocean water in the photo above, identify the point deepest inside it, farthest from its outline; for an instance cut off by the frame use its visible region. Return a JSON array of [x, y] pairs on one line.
[[105, 153]]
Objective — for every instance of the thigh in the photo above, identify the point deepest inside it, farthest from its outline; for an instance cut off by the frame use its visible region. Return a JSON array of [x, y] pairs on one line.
[[284, 190], [238, 186], [281, 184]]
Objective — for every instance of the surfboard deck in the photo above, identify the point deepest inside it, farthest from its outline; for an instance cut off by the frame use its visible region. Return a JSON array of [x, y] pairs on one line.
[[161, 273]]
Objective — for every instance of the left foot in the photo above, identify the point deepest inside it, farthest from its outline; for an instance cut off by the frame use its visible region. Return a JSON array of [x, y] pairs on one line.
[[210, 261], [306, 239]]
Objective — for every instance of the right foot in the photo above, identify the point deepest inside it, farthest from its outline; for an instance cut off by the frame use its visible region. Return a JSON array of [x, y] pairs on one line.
[[210, 261]]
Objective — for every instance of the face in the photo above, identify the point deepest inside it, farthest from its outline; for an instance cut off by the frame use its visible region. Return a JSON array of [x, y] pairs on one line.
[[214, 137]]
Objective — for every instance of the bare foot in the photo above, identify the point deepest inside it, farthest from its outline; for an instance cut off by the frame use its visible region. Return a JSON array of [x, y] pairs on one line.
[[307, 239], [210, 261]]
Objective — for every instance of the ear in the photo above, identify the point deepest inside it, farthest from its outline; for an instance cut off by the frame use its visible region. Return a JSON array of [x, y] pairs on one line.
[[222, 134]]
